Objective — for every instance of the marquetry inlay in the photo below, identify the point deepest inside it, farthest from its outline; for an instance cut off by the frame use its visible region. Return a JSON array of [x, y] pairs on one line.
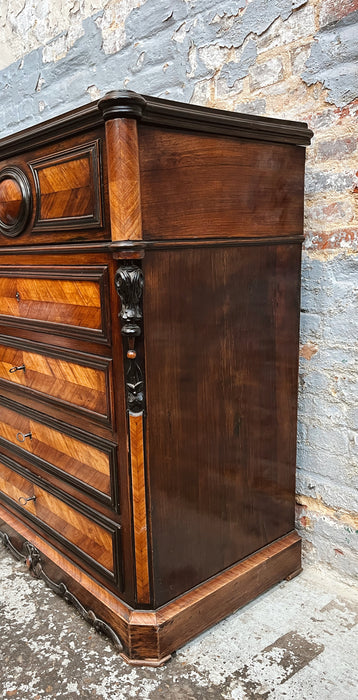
[[82, 532], [82, 461], [64, 380], [68, 188], [71, 302]]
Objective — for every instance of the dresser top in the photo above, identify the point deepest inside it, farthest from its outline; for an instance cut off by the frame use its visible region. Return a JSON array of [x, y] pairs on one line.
[[157, 112]]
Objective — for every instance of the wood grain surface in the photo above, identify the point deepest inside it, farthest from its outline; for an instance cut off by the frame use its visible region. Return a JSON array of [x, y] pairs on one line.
[[70, 524], [150, 635], [201, 186], [123, 179], [68, 185], [66, 189], [221, 399], [72, 302], [67, 381], [10, 200], [76, 458], [202, 485], [139, 507]]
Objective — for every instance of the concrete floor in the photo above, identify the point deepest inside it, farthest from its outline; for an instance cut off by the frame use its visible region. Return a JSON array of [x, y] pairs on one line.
[[299, 640]]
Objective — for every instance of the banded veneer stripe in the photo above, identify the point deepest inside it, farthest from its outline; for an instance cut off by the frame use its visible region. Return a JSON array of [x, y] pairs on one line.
[[139, 507]]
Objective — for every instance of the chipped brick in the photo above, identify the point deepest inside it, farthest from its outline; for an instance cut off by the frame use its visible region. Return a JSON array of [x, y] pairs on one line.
[[328, 181], [325, 240], [308, 350], [332, 11], [264, 74], [336, 148]]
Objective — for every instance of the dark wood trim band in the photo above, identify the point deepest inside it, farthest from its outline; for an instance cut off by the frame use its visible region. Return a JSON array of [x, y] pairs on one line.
[[72, 123], [55, 248], [157, 112], [136, 246], [204, 243]]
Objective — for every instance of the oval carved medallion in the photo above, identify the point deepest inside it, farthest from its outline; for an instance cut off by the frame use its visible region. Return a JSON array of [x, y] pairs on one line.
[[15, 201]]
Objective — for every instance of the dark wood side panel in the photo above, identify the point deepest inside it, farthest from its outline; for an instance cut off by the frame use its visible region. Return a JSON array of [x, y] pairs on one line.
[[199, 186], [221, 338]]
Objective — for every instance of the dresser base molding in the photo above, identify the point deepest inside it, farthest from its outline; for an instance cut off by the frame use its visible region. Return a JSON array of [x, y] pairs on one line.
[[149, 637]]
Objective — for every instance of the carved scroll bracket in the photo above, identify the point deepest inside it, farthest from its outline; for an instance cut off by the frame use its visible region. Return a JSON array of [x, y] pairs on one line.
[[32, 558], [129, 282]]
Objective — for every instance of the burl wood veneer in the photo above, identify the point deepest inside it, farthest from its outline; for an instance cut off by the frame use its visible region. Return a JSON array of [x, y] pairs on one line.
[[149, 304]]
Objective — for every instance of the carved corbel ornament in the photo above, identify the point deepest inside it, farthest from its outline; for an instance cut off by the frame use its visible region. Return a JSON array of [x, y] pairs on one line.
[[129, 283]]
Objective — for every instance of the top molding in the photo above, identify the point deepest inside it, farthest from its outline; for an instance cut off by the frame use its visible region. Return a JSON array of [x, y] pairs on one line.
[[155, 111]]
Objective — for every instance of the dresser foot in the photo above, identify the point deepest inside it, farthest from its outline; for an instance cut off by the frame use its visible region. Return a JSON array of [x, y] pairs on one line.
[[154, 663], [294, 574]]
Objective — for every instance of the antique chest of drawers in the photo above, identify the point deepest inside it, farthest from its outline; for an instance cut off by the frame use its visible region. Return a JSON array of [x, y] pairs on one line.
[[149, 303]]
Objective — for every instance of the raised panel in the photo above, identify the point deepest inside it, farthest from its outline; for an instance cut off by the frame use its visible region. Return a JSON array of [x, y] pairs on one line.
[[68, 301], [68, 186], [90, 538], [83, 385]]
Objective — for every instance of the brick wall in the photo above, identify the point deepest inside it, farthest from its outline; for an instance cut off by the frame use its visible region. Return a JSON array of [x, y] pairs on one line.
[[284, 58]]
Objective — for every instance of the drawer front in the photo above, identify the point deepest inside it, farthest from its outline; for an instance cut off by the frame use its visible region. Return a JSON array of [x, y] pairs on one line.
[[69, 383], [90, 540], [83, 464], [54, 300]]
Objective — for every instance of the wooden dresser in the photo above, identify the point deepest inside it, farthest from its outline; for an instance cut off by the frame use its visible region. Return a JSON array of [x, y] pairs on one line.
[[149, 305]]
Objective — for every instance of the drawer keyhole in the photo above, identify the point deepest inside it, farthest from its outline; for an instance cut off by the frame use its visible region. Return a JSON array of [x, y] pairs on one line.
[[17, 369], [21, 437], [18, 296], [24, 500]]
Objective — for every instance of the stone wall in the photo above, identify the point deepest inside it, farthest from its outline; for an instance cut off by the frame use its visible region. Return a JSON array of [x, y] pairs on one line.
[[285, 58]]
